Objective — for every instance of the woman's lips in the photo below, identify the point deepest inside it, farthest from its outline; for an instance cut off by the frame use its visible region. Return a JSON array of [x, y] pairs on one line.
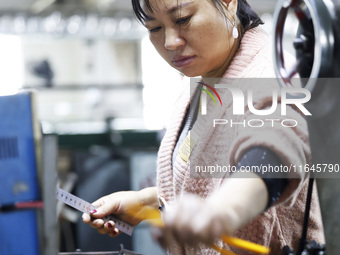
[[182, 61]]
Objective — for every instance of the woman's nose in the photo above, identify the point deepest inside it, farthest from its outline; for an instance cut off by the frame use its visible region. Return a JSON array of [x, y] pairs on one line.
[[173, 39]]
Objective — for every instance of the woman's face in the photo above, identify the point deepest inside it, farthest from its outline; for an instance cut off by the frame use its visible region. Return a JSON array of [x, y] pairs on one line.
[[191, 35]]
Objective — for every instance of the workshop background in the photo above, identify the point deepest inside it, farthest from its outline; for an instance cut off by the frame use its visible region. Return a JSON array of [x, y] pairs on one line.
[[102, 92]]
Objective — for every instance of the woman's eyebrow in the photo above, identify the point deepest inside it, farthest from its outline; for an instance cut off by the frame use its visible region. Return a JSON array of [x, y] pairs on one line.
[[177, 7], [171, 10]]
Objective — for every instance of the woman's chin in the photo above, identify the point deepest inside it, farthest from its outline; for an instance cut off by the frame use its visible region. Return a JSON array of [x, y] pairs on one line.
[[190, 73]]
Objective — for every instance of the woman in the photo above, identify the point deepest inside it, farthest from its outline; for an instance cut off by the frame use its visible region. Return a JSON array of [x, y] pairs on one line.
[[218, 39]]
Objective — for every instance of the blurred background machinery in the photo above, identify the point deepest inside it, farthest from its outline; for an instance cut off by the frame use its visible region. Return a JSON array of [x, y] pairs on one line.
[[102, 104], [317, 52]]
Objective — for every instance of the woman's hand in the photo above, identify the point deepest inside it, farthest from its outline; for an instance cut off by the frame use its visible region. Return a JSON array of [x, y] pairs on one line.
[[194, 220], [120, 204]]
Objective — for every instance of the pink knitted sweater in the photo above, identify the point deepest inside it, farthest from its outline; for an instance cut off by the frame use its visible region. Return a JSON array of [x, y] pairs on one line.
[[280, 225]]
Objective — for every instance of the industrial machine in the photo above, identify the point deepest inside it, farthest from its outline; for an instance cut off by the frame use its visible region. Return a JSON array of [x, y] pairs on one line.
[[317, 52], [19, 178]]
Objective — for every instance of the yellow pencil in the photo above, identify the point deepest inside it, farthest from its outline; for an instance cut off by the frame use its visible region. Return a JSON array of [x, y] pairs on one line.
[[245, 245]]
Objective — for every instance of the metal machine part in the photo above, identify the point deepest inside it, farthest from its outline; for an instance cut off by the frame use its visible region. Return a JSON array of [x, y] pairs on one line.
[[317, 51], [122, 251], [314, 43]]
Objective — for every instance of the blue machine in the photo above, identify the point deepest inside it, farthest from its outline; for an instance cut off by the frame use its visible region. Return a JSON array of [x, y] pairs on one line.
[[18, 176]]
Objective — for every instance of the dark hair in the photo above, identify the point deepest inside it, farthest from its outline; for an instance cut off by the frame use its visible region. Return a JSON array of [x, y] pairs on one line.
[[248, 17]]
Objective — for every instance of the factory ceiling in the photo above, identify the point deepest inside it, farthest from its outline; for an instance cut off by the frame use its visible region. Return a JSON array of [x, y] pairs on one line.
[[104, 7], [86, 18]]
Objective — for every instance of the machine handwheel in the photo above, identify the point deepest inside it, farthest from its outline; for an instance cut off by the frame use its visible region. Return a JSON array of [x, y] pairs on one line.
[[314, 42]]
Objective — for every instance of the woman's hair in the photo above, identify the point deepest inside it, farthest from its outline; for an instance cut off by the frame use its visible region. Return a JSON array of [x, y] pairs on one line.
[[248, 17]]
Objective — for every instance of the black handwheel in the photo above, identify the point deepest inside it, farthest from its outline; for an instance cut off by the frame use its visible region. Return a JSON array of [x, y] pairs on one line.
[[314, 42]]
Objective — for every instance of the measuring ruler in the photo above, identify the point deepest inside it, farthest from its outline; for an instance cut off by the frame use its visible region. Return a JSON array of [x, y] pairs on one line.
[[86, 207]]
